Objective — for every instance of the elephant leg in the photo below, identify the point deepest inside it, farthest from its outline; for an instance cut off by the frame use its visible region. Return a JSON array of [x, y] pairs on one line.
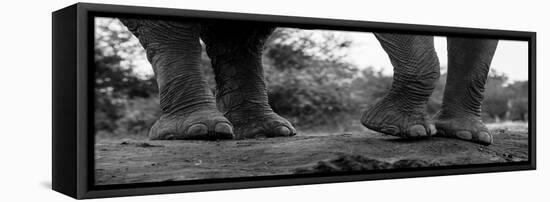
[[460, 115], [188, 106], [241, 93], [402, 112]]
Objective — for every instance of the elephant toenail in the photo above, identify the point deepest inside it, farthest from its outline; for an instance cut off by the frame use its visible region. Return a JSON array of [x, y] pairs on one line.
[[197, 129], [433, 130], [485, 137], [417, 131], [170, 136], [390, 130], [282, 131], [223, 128], [464, 135]]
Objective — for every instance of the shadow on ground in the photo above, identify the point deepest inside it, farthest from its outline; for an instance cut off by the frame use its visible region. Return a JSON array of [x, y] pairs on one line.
[[135, 160]]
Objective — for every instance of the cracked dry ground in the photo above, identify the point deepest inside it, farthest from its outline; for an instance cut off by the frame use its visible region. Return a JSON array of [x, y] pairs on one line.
[[136, 160]]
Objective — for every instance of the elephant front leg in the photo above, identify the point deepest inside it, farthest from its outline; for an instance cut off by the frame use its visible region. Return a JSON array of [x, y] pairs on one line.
[[188, 106], [460, 115], [236, 51], [402, 112]]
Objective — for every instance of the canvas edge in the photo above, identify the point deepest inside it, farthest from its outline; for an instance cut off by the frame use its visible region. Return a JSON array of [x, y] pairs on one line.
[[64, 143]]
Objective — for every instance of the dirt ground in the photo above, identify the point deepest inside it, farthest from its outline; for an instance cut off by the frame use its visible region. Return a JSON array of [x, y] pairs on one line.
[[134, 160]]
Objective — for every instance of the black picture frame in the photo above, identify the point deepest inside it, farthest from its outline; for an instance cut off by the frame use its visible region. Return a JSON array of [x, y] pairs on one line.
[[73, 135]]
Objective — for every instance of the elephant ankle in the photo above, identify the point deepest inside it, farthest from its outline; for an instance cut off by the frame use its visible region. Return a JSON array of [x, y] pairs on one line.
[[458, 110], [403, 101], [189, 109], [247, 113], [417, 89]]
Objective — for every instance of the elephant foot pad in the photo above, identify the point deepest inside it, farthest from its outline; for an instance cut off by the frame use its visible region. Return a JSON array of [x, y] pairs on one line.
[[469, 129], [201, 125], [264, 125], [385, 118]]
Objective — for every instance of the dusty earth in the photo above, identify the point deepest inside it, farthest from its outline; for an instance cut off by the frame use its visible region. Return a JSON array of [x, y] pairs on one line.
[[131, 159]]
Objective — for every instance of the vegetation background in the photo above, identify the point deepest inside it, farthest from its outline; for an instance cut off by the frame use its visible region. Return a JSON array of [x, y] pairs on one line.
[[309, 81]]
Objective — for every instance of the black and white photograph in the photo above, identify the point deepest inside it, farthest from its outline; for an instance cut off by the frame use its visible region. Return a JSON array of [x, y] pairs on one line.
[[275, 101], [184, 100]]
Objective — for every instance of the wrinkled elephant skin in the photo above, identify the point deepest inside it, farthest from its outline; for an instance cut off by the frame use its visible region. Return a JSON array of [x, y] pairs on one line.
[[240, 107]]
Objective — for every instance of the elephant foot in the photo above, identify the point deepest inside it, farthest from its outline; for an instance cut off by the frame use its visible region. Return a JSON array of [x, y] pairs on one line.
[[469, 128], [199, 125], [254, 125], [393, 117]]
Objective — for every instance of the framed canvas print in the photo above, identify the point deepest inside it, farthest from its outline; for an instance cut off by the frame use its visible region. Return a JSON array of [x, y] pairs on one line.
[[156, 100]]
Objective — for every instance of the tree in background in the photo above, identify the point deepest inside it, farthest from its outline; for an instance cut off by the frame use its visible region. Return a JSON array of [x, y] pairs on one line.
[[308, 81], [518, 104], [504, 100], [495, 103], [121, 95]]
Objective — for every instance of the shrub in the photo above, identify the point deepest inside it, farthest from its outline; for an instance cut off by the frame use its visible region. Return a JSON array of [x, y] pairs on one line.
[[138, 115]]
